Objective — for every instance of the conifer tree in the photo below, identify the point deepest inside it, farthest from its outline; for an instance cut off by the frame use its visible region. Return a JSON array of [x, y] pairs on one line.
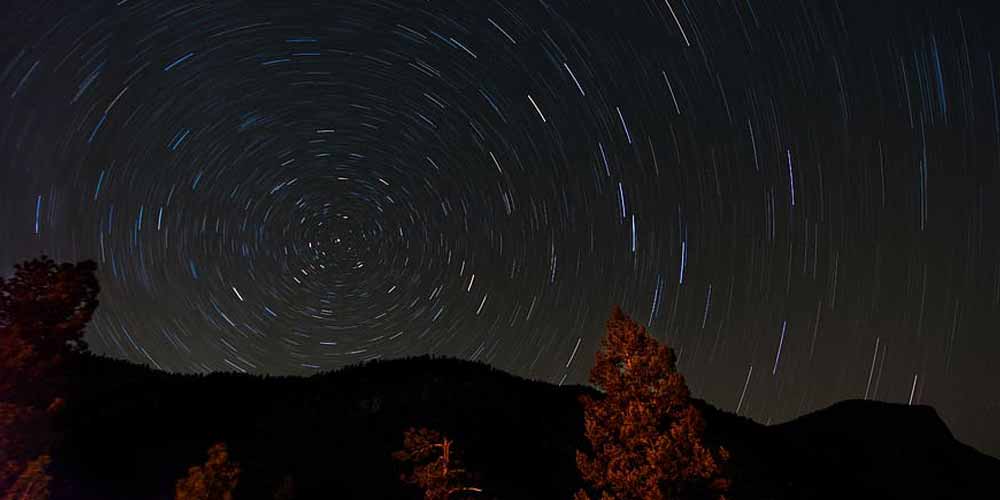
[[215, 480], [437, 468], [44, 308], [645, 434]]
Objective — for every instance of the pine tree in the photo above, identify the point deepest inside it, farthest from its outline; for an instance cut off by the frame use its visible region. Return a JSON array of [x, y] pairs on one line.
[[44, 308], [436, 465], [645, 433], [215, 480]]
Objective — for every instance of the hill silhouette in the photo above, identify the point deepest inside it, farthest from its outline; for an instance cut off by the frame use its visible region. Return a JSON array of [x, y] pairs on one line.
[[130, 432]]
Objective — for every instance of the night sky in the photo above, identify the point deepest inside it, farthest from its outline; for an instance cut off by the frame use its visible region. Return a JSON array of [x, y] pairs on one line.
[[799, 196]]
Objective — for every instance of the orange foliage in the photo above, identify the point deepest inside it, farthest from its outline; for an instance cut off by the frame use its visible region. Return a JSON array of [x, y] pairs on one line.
[[436, 467], [645, 434], [33, 483], [215, 480]]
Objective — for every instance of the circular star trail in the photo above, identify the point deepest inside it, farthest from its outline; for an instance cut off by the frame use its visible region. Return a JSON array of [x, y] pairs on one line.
[[798, 197]]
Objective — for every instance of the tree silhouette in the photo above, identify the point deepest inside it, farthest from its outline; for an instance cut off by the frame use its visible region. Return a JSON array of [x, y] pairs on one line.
[[645, 433], [436, 466], [215, 480], [33, 483]]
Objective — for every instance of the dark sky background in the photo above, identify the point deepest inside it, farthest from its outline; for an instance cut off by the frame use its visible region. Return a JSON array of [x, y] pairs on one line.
[[799, 196]]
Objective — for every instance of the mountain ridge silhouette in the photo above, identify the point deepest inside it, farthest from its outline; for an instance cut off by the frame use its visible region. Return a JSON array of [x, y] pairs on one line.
[[131, 431]]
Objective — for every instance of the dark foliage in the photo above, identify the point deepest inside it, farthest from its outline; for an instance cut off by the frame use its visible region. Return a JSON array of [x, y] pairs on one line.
[[134, 431], [44, 308], [51, 302]]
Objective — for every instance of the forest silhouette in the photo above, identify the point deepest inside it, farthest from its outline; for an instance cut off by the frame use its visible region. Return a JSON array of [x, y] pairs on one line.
[[74, 425]]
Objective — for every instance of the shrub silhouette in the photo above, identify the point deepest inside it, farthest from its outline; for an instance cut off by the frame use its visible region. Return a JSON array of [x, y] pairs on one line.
[[645, 433], [215, 480]]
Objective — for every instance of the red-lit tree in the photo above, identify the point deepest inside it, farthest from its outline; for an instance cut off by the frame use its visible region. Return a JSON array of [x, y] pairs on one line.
[[645, 433], [436, 466], [43, 310], [215, 480], [25, 434]]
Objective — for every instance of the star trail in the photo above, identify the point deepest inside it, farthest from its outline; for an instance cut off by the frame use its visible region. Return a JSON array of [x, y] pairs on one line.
[[289, 187]]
